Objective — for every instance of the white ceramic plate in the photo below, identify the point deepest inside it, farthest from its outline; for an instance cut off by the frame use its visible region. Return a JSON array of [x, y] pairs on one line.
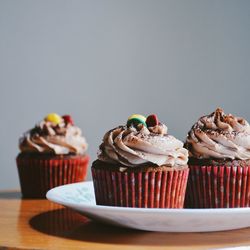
[[81, 198]]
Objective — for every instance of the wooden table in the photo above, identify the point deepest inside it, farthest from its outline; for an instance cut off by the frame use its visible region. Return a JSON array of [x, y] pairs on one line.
[[40, 224]]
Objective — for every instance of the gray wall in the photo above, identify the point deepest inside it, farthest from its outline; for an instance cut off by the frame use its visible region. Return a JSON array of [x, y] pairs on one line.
[[104, 60]]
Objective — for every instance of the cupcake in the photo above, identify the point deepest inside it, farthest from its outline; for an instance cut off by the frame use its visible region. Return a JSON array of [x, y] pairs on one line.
[[219, 150], [52, 153], [140, 165]]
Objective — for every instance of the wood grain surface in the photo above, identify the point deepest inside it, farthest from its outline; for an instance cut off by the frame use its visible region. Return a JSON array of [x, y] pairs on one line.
[[40, 224]]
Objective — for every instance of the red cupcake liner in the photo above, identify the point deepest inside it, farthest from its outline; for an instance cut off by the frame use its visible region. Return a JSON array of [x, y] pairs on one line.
[[218, 187], [160, 189], [37, 176]]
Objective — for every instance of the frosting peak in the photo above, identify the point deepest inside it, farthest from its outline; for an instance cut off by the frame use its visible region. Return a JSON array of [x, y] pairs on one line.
[[54, 135], [222, 122], [219, 135], [134, 145]]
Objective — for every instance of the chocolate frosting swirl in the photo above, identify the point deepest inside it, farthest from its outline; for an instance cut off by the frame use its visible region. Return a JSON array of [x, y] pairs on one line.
[[219, 136], [133, 146], [47, 137]]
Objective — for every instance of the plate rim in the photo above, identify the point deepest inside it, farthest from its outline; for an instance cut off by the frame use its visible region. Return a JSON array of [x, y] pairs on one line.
[[50, 196]]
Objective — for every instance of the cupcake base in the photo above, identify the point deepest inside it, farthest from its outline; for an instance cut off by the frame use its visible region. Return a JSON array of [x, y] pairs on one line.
[[39, 173], [219, 186], [147, 187]]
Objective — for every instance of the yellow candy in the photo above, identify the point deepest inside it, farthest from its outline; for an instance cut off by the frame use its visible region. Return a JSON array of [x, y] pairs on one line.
[[141, 117], [136, 119], [53, 117]]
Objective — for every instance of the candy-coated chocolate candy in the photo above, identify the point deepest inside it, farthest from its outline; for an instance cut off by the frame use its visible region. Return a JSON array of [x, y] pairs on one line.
[[68, 119], [152, 120], [137, 116], [136, 119], [54, 118]]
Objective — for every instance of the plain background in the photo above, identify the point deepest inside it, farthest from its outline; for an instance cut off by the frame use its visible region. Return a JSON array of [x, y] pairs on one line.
[[101, 61]]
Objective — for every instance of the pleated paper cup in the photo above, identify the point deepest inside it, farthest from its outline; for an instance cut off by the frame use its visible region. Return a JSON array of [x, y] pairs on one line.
[[144, 189], [37, 174], [218, 187]]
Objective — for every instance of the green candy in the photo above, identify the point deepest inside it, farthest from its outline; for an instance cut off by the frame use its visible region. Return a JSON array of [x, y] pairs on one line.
[[136, 120]]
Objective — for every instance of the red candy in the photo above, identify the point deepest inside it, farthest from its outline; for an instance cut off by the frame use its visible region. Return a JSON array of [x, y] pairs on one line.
[[152, 120], [68, 119]]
